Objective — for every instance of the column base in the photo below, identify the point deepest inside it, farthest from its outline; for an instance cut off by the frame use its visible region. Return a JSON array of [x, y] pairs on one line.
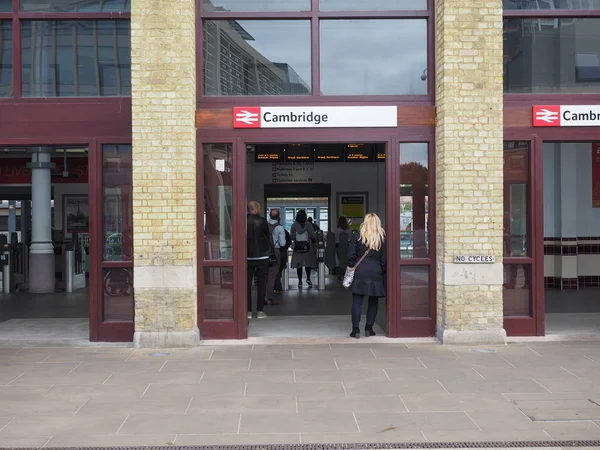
[[166, 339], [42, 279], [472, 337]]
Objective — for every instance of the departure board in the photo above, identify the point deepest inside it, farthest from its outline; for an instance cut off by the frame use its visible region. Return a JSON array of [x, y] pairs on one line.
[[329, 153], [299, 153], [379, 152], [359, 152], [268, 153]]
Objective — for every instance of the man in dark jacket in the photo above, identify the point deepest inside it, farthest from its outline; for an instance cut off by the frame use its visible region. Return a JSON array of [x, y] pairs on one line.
[[259, 249]]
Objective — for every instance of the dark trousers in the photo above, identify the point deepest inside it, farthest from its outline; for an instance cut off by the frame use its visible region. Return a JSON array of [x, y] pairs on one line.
[[260, 269], [299, 272], [357, 302]]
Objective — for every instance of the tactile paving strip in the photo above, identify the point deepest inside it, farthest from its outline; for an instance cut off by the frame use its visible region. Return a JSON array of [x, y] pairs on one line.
[[361, 446]]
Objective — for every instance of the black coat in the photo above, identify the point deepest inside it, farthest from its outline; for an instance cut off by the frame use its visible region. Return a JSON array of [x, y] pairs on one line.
[[370, 274], [258, 237]]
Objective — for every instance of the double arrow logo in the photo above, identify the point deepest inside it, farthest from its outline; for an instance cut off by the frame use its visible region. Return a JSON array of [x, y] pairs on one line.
[[247, 118]]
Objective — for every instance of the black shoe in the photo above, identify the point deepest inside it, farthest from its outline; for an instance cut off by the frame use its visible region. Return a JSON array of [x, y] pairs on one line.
[[300, 285], [369, 331], [355, 333], [308, 282]]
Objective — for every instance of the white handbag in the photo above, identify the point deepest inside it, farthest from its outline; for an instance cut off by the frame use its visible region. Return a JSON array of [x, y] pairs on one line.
[[349, 275]]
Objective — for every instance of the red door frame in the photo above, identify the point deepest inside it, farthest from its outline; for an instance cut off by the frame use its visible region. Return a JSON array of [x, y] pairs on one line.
[[100, 330], [396, 326]]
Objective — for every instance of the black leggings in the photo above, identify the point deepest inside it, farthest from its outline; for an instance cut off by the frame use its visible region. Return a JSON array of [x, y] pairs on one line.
[[299, 271]]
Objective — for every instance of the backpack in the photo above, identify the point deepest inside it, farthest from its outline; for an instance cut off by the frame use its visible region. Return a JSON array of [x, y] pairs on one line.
[[302, 243], [288, 239]]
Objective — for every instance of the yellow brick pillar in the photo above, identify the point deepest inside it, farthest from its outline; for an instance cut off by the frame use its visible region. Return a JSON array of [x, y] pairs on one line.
[[163, 72], [469, 98]]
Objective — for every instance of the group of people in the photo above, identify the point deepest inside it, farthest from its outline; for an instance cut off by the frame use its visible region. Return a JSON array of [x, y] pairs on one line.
[[267, 249]]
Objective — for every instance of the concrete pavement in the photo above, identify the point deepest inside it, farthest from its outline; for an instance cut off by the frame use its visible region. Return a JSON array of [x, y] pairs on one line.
[[345, 393]]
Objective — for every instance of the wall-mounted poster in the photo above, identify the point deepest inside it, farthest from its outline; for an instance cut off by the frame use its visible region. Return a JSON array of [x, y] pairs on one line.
[[76, 213], [595, 174], [354, 207]]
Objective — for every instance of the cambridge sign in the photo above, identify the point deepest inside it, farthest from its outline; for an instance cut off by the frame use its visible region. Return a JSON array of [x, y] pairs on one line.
[[566, 116], [315, 117]]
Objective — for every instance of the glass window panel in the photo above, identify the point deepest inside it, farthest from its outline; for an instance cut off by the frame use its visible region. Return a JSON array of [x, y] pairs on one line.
[[256, 57], [374, 57], [551, 55], [255, 5], [414, 200], [551, 4], [218, 201], [117, 205], [75, 5], [76, 58], [6, 53], [516, 199], [372, 5], [5, 6], [414, 291], [118, 294], [218, 293], [517, 290]]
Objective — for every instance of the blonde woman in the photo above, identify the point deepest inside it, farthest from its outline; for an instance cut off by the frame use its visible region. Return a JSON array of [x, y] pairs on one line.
[[368, 255]]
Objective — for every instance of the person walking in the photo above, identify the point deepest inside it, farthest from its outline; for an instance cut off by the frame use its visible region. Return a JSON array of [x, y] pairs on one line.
[[259, 247], [278, 238], [367, 254], [305, 255]]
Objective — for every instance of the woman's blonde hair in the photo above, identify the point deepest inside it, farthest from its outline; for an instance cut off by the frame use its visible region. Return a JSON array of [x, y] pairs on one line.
[[371, 233]]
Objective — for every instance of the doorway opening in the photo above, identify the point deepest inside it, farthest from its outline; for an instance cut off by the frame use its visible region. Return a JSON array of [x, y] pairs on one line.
[[572, 238], [326, 182], [45, 246]]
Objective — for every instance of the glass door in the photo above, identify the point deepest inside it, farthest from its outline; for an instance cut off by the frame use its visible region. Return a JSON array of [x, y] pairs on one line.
[[520, 284], [111, 246], [221, 229]]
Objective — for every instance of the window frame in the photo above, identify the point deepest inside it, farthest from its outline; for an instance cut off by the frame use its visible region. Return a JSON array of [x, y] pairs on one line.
[[549, 14], [17, 16], [315, 16]]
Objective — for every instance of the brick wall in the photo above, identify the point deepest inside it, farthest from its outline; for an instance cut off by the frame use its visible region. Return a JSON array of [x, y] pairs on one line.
[[469, 168], [164, 171]]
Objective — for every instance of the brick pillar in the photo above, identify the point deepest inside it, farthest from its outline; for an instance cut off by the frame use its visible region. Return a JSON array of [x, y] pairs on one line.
[[469, 170], [163, 54]]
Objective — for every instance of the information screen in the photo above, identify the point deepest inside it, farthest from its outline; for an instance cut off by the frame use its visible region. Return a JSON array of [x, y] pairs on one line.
[[299, 153], [329, 153], [359, 152], [379, 152], [268, 153]]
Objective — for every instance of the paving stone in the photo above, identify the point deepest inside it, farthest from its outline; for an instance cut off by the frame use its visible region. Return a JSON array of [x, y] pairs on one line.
[[298, 423], [271, 354], [458, 386], [237, 439], [403, 374], [340, 375], [456, 402], [180, 424], [357, 403], [293, 364], [572, 430], [267, 404], [266, 376], [121, 366], [23, 441], [300, 390], [347, 362], [562, 414], [65, 425], [205, 388], [178, 366], [408, 386], [390, 434], [414, 421], [104, 392], [570, 385], [132, 379], [102, 440]]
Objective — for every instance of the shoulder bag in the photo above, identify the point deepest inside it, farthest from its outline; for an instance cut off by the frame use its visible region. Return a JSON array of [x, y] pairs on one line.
[[349, 275]]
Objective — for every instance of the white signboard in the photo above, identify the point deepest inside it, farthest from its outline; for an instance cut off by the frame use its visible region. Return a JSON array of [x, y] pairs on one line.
[[315, 117], [474, 259], [566, 116]]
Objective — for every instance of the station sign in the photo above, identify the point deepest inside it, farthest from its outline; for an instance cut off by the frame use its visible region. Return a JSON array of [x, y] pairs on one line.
[[315, 117], [566, 116]]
